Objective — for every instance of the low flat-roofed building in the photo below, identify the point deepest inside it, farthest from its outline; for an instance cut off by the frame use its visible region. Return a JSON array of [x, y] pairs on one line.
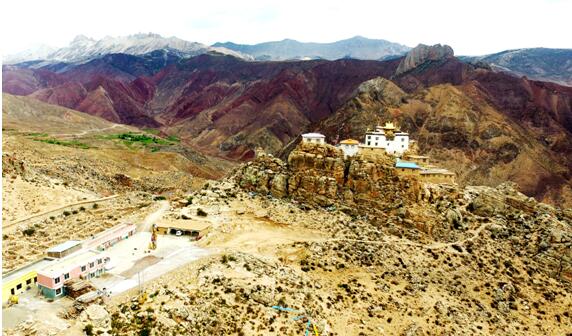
[[407, 168], [419, 159], [110, 237], [314, 138], [180, 227], [20, 280], [437, 175], [85, 264], [64, 249]]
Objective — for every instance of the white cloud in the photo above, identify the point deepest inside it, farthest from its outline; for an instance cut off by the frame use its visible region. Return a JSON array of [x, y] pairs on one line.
[[474, 27]]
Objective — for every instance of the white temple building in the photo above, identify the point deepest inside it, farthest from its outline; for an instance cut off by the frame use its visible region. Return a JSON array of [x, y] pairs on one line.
[[389, 138]]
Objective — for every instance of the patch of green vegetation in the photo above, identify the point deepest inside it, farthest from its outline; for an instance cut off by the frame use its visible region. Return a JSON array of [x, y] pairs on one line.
[[173, 138], [151, 131], [72, 143], [155, 149], [130, 138], [37, 134]]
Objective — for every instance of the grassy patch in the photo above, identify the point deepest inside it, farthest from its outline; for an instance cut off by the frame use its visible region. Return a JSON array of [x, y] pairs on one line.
[[72, 143], [134, 140], [173, 138], [37, 134], [151, 131], [131, 138]]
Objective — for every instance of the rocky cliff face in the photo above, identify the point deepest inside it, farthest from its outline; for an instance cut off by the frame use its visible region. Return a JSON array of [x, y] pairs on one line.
[[318, 175], [422, 54]]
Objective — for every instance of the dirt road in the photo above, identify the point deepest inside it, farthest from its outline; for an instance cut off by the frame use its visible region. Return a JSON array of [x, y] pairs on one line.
[[67, 206], [153, 217]]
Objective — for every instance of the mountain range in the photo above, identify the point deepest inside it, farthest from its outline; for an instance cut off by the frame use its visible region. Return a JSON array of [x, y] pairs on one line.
[[357, 47], [487, 125], [536, 63], [83, 48]]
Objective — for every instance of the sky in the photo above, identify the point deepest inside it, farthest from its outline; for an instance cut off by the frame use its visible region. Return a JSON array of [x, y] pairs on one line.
[[470, 27]]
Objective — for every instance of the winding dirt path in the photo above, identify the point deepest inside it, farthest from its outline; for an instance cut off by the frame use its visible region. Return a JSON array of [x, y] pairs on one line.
[[18, 221], [82, 133]]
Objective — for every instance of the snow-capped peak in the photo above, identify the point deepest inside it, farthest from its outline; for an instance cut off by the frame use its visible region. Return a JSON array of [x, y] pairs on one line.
[[83, 48]]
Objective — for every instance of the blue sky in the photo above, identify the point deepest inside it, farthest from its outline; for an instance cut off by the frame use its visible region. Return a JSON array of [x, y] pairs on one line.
[[470, 27]]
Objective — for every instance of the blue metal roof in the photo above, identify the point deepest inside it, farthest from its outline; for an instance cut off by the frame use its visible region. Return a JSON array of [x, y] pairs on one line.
[[404, 164]]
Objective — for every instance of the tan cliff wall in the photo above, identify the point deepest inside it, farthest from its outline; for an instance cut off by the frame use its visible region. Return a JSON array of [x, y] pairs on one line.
[[318, 174]]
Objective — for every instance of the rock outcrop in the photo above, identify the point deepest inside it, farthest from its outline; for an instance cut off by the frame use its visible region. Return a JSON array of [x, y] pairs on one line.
[[318, 175], [423, 53]]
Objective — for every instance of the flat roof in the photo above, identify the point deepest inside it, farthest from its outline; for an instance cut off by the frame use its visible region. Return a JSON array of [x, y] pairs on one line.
[[313, 135], [64, 246], [34, 266], [437, 171], [405, 164], [184, 224], [349, 142], [64, 265], [417, 156], [110, 233]]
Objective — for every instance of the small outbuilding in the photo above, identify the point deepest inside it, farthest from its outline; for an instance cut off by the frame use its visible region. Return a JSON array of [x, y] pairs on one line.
[[350, 147], [192, 228], [437, 175], [407, 168], [64, 249], [314, 138]]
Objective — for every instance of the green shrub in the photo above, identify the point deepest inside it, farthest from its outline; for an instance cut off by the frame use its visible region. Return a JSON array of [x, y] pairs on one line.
[[95, 206], [29, 231], [159, 198], [75, 212], [81, 208], [201, 212], [66, 213], [88, 329]]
